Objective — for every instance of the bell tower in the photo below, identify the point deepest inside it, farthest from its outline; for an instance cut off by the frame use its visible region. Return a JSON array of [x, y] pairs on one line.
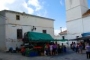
[[75, 9]]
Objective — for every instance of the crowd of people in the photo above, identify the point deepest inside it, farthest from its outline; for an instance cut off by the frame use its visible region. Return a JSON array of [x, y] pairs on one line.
[[54, 49], [79, 47], [48, 49]]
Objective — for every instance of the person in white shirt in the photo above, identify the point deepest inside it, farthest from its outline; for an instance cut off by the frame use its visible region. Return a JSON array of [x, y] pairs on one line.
[[51, 49]]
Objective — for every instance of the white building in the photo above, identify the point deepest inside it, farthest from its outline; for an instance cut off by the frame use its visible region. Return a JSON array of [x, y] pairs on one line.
[[78, 18], [62, 35], [13, 25]]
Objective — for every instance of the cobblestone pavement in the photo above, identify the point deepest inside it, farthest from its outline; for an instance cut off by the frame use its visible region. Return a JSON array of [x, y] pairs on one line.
[[68, 56]]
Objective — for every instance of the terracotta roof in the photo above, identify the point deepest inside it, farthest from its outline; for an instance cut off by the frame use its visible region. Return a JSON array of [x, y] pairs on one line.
[[87, 13], [63, 32]]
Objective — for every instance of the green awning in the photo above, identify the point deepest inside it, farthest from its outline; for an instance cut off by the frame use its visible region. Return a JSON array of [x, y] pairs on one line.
[[35, 36], [62, 40]]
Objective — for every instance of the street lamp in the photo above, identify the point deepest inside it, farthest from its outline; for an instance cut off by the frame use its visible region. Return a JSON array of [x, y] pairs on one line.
[[33, 28]]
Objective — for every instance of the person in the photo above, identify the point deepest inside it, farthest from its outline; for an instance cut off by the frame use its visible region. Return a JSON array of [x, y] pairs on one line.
[[59, 50], [71, 45], [51, 48], [80, 47], [88, 50], [17, 49], [23, 50], [45, 52], [14, 50], [77, 48], [74, 46], [54, 48], [46, 49], [62, 47], [11, 49]]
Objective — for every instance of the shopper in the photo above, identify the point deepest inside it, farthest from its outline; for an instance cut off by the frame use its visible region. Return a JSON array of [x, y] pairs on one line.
[[51, 48], [80, 48], [77, 48], [23, 50], [46, 49], [88, 50]]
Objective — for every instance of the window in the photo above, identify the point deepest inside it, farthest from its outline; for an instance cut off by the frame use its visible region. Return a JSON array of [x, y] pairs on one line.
[[63, 37], [19, 33], [17, 17], [77, 36], [44, 31]]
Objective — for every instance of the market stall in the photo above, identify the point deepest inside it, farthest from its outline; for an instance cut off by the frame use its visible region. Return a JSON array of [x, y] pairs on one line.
[[35, 43]]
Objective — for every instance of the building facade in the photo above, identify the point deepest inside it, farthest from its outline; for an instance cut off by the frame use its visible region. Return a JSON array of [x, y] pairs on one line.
[[13, 25], [62, 35], [77, 22]]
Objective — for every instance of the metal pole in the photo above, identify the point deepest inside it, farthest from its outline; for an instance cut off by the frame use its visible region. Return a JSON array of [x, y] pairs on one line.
[[61, 29]]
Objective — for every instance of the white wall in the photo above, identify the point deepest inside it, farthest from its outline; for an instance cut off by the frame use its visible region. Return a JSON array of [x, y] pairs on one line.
[[71, 4], [29, 20], [74, 28], [25, 23], [2, 31], [84, 3], [74, 11], [86, 24], [39, 23], [77, 27], [60, 37]]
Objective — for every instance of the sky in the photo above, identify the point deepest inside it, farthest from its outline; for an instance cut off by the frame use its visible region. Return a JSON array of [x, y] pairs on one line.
[[54, 9]]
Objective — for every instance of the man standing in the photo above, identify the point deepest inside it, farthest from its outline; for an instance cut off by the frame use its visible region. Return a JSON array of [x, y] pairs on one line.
[[88, 50]]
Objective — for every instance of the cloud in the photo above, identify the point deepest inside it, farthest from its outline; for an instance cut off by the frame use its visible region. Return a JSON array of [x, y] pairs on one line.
[[43, 13], [27, 6], [61, 2], [36, 4], [57, 31], [30, 10], [15, 5], [64, 28], [3, 4]]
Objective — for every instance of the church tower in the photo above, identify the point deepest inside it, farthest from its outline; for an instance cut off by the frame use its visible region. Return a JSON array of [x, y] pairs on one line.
[[74, 11], [75, 8]]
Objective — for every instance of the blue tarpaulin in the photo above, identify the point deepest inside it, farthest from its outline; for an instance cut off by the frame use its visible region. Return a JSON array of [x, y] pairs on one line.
[[85, 34]]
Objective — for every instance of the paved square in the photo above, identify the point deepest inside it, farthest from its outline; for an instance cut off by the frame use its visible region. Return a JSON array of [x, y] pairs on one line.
[[66, 56]]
